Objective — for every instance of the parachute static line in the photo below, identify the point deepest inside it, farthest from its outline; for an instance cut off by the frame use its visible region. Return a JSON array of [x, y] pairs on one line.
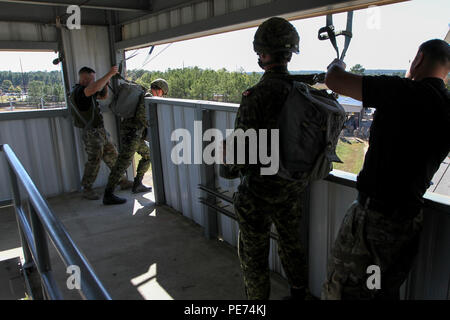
[[148, 56], [165, 48], [328, 32]]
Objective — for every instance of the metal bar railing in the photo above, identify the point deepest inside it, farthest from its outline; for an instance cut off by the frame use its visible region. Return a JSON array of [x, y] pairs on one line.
[[222, 210], [34, 231], [216, 193]]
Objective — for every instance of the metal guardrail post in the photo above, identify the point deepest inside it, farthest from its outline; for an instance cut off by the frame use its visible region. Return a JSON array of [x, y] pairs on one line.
[[207, 178], [32, 280], [40, 242], [155, 153], [42, 255], [17, 201]]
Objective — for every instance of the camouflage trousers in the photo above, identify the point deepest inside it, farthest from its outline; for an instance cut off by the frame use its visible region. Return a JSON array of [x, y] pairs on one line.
[[370, 238], [132, 142], [255, 218], [98, 147]]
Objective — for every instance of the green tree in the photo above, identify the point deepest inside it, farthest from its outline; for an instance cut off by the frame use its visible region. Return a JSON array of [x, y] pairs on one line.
[[58, 93], [36, 91], [6, 85], [357, 69], [399, 74]]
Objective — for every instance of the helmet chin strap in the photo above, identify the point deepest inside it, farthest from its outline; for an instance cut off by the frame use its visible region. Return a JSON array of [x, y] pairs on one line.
[[269, 64], [261, 64]]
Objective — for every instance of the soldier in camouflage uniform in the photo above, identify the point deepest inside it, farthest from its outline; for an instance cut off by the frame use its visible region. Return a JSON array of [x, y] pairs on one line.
[[381, 229], [133, 132], [87, 116], [366, 238], [261, 200]]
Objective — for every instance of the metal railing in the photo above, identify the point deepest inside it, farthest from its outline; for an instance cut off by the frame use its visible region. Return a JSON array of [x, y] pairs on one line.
[[34, 228]]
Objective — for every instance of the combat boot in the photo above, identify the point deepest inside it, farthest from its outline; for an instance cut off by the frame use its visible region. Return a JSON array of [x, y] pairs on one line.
[[90, 194], [110, 199], [138, 187], [126, 184]]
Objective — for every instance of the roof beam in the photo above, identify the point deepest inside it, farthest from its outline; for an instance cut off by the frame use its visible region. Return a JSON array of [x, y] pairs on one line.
[[28, 45], [246, 18], [13, 12], [114, 5]]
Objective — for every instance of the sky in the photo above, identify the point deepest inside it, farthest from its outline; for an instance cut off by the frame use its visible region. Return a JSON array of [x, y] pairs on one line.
[[386, 37]]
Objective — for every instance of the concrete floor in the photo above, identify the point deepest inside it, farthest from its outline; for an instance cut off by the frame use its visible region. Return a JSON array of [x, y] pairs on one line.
[[140, 251]]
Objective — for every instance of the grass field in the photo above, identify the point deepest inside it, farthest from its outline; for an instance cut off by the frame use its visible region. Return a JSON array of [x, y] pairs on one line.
[[351, 154], [4, 99]]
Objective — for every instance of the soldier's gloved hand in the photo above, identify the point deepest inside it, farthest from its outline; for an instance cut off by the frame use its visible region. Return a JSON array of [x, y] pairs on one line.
[[338, 63]]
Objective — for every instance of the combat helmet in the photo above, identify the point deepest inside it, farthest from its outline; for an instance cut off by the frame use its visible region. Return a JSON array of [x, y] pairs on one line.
[[161, 84], [276, 35]]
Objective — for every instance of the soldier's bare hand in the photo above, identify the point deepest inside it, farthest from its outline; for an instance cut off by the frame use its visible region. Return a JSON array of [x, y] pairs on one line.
[[114, 70]]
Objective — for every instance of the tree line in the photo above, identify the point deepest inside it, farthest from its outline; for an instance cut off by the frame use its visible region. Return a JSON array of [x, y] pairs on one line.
[[200, 84], [185, 83], [24, 79], [37, 85], [205, 84]]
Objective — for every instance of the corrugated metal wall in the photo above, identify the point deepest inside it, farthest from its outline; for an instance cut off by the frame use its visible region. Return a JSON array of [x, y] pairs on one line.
[[228, 228], [185, 14], [329, 202], [50, 147], [44, 147], [180, 182]]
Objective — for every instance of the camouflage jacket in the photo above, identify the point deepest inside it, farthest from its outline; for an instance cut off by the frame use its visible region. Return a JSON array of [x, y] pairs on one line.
[[259, 109]]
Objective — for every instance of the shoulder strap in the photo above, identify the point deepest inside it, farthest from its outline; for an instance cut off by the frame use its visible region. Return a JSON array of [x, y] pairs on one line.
[[310, 79], [74, 107]]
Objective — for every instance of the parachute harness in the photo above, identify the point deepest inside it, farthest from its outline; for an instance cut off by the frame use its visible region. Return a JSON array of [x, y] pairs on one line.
[[328, 32]]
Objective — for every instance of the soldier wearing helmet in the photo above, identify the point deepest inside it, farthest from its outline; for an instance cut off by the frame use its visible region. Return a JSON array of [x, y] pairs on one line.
[[133, 132], [159, 87], [261, 200]]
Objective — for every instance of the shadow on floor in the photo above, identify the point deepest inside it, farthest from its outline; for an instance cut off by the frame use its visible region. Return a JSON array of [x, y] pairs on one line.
[[143, 251]]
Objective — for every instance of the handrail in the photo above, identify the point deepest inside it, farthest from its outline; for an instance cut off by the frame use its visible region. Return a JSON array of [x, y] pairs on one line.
[[432, 200], [33, 114], [34, 233]]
